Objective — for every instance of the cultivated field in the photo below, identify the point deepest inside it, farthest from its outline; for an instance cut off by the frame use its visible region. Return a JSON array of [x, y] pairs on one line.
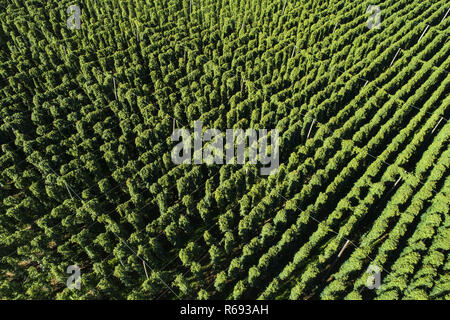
[[92, 91]]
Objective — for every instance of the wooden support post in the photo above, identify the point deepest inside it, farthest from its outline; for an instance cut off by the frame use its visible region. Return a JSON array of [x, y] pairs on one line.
[[445, 15], [335, 25], [343, 248], [394, 57], [68, 190], [293, 51], [145, 268], [382, 238], [426, 28], [284, 6], [243, 23], [367, 81], [396, 182], [436, 125], [115, 90], [310, 128]]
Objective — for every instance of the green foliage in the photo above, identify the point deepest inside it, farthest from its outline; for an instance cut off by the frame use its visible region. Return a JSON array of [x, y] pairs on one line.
[[86, 172]]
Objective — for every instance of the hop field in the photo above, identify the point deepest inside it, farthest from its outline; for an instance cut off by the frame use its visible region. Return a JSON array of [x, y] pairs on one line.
[[92, 205]]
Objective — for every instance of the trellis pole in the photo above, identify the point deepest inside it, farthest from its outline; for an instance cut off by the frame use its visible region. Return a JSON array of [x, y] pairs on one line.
[[436, 125], [445, 15], [343, 248], [394, 57], [423, 33], [310, 128]]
